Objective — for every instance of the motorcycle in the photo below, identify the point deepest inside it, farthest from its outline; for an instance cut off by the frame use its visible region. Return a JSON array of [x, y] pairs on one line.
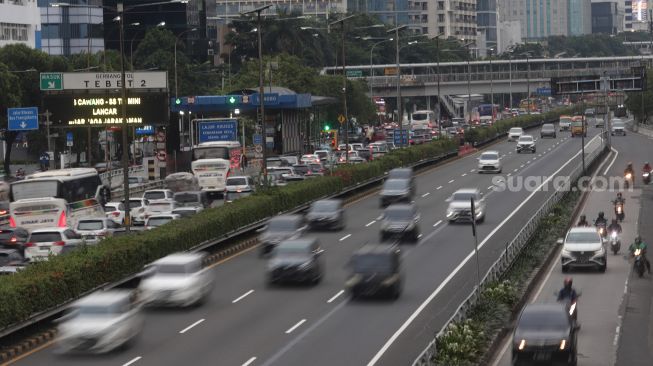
[[639, 264], [619, 210], [615, 242], [600, 227], [628, 177], [571, 305], [646, 177]]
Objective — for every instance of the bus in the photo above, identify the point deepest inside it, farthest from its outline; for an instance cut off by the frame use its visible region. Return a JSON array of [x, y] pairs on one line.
[[229, 150], [213, 162], [57, 198], [422, 119], [488, 113]]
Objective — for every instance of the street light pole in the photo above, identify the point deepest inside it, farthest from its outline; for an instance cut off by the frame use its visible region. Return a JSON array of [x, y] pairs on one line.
[[175, 57], [510, 82], [400, 111], [344, 84], [123, 89], [437, 58], [372, 64]]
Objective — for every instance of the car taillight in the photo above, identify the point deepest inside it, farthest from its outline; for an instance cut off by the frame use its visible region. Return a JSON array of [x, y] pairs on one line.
[[13, 239], [12, 222], [62, 219], [30, 244], [3, 212], [115, 213], [59, 243]]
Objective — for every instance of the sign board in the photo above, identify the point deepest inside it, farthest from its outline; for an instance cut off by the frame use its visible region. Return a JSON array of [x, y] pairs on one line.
[[23, 119], [544, 92], [270, 99], [106, 109], [399, 139], [341, 118], [257, 139], [259, 149], [113, 80], [217, 130], [354, 73], [390, 71], [161, 155], [145, 130], [69, 139], [51, 81]]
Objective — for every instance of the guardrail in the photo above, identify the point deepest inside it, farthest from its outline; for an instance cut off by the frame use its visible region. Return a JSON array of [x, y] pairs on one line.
[[593, 149], [118, 194]]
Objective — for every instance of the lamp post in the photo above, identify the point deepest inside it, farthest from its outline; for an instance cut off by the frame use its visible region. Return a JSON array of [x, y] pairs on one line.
[[372, 63], [491, 84], [510, 82], [400, 111], [437, 58], [175, 53], [528, 81]]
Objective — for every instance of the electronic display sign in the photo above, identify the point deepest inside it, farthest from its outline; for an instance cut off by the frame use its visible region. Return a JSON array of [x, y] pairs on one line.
[[71, 110]]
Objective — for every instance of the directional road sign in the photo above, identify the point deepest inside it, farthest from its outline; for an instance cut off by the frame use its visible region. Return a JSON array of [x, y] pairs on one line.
[[218, 130], [69, 139], [23, 119], [258, 139], [341, 118], [51, 81], [399, 139]]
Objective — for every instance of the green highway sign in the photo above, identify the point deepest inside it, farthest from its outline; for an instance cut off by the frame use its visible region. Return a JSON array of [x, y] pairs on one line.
[[354, 73], [51, 81]]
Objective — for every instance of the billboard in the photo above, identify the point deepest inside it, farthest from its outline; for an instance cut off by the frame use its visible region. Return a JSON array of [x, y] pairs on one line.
[[218, 130], [106, 109]]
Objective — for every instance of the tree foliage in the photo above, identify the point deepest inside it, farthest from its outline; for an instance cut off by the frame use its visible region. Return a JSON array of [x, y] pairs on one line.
[[634, 100]]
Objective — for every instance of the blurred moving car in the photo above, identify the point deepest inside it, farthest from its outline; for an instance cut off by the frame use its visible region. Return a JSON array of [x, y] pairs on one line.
[[280, 228], [11, 261], [115, 211], [400, 221], [95, 229], [515, 133], [460, 207], [287, 173], [176, 280], [237, 187], [565, 123], [396, 190], [489, 161], [326, 214], [14, 238], [549, 130], [375, 270], [296, 261], [100, 322], [51, 241], [545, 334], [158, 194], [182, 181], [404, 173], [155, 221], [583, 247], [192, 199]]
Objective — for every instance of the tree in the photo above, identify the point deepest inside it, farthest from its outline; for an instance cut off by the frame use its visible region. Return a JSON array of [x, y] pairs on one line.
[[634, 100]]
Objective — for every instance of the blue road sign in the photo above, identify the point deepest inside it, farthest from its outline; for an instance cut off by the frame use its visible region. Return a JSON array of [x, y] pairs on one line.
[[398, 137], [145, 130], [23, 119], [218, 130], [544, 92], [258, 139]]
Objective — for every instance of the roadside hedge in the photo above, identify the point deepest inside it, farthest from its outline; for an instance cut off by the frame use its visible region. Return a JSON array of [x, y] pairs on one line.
[[46, 285]]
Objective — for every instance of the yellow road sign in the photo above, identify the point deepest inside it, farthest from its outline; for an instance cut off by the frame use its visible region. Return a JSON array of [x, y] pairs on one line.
[[341, 119]]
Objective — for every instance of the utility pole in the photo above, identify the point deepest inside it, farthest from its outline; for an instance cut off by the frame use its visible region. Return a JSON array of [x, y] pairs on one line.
[[125, 144], [344, 83], [400, 111]]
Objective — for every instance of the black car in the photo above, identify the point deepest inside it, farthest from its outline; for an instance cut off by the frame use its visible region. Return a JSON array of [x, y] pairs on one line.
[[400, 221], [296, 261], [14, 238], [375, 271], [396, 190], [280, 228], [11, 261], [545, 334], [365, 154], [404, 173], [326, 214], [549, 130]]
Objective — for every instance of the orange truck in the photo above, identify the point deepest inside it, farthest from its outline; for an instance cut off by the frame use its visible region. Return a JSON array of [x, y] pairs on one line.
[[578, 126]]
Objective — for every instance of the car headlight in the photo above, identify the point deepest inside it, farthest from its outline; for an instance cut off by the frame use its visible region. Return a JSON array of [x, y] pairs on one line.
[[599, 252], [390, 280], [450, 212], [565, 253]]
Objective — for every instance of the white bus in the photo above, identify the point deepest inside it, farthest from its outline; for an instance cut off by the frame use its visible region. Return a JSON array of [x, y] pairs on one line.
[[422, 119], [57, 198], [228, 150], [211, 174]]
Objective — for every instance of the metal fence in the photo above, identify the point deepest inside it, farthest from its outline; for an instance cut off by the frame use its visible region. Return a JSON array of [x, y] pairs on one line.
[[593, 149]]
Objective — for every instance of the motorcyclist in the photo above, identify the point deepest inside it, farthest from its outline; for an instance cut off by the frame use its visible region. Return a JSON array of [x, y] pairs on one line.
[[601, 220], [614, 226], [629, 169], [639, 244], [583, 221], [568, 291], [620, 199], [646, 167]]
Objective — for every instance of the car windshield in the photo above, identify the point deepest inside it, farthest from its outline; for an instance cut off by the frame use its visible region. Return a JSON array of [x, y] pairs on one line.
[[526, 139], [547, 128], [618, 124], [158, 221], [291, 251], [90, 225], [282, 225], [135, 203], [177, 268], [400, 173], [236, 181], [398, 214], [34, 189], [463, 196], [490, 156], [515, 130], [96, 310], [301, 169], [543, 320], [583, 237], [396, 184], [45, 237], [187, 197], [110, 208], [321, 154], [154, 195], [324, 206], [372, 263]]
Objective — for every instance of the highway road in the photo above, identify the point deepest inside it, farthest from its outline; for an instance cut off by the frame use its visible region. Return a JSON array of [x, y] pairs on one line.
[[599, 307], [246, 323]]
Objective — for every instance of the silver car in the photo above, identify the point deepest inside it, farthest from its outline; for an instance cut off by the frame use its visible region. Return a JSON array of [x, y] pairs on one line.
[[460, 206], [95, 229], [526, 143], [618, 128], [514, 133], [583, 247], [489, 161]]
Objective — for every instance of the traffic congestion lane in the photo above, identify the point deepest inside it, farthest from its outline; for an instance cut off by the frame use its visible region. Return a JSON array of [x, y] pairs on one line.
[[239, 274], [598, 307]]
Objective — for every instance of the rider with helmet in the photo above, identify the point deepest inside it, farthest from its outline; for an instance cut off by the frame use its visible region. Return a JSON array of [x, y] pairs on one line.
[[629, 169], [646, 167], [639, 244], [601, 219], [583, 221], [568, 291], [614, 226]]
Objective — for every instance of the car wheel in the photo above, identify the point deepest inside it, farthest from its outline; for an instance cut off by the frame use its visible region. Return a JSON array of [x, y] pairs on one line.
[[396, 291], [481, 219], [533, 151]]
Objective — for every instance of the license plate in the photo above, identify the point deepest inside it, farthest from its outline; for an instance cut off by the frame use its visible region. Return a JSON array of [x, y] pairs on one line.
[[45, 249], [542, 356]]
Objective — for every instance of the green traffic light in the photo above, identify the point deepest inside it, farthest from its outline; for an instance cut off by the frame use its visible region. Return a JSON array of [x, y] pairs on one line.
[[232, 100], [177, 101], [327, 128]]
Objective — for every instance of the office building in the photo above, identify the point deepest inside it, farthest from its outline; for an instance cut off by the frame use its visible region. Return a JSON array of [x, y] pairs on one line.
[[580, 17], [320, 8], [538, 18], [486, 21], [20, 23], [607, 16], [68, 30]]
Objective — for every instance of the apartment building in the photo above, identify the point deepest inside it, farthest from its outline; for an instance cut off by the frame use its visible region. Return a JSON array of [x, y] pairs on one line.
[[73, 29], [20, 23]]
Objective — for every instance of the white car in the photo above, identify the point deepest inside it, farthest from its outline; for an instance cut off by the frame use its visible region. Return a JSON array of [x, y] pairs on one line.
[[99, 323], [287, 173], [93, 230], [324, 155], [460, 206], [525, 143], [158, 194], [583, 247], [137, 208], [176, 280], [309, 158], [158, 207], [514, 133], [238, 186], [115, 211], [618, 128], [155, 221], [565, 123], [489, 161], [187, 211], [50, 241]]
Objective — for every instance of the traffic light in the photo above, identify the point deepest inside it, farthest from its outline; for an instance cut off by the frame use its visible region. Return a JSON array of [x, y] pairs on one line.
[[177, 101], [326, 127], [231, 100]]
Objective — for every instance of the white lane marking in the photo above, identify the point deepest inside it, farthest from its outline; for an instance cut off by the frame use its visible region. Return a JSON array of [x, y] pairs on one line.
[[419, 236], [440, 187], [472, 171], [191, 326], [521, 166], [490, 187], [453, 273], [451, 181], [344, 237], [335, 296], [134, 360], [437, 223], [509, 174], [612, 162], [249, 362], [464, 174], [426, 194], [370, 223], [242, 296], [516, 169], [616, 335], [509, 152], [299, 324]]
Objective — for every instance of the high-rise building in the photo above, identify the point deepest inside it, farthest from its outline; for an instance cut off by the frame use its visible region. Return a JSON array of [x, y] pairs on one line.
[[20, 23], [486, 20], [628, 15], [320, 8], [72, 29], [538, 18], [580, 17], [607, 16]]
